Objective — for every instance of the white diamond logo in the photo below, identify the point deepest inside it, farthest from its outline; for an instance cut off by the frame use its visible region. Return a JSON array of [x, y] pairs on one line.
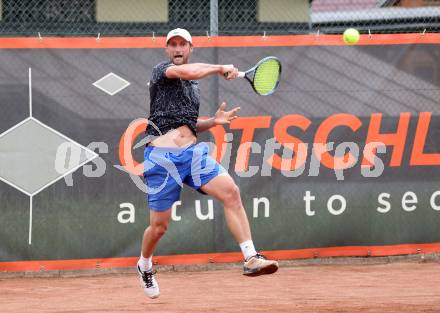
[[28, 154], [111, 84]]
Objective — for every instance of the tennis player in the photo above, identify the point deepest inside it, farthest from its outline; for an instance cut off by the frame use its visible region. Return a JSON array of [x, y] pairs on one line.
[[173, 157]]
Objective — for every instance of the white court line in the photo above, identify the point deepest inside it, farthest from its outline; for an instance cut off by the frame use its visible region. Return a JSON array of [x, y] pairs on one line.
[[30, 220], [30, 115], [15, 126], [30, 92], [14, 186]]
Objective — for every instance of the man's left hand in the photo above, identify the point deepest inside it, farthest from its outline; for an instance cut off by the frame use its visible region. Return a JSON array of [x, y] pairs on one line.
[[225, 117]]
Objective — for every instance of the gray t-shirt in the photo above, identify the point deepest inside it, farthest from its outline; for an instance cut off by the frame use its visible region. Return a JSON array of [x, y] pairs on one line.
[[173, 102]]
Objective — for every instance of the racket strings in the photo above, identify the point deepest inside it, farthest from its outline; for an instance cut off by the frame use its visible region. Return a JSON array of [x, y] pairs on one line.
[[267, 76]]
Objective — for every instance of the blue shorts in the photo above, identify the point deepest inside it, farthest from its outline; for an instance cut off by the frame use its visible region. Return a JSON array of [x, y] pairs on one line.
[[167, 169]]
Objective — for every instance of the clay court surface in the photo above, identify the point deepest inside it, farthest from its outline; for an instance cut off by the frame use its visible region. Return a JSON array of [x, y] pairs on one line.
[[393, 287]]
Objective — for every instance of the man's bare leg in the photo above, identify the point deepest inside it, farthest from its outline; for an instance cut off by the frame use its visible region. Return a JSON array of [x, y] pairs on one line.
[[159, 222], [224, 189]]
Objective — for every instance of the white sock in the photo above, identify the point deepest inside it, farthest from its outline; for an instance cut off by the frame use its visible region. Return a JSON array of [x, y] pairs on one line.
[[145, 264], [248, 249]]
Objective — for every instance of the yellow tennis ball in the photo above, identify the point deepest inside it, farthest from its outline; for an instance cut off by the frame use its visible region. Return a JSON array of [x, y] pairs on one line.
[[351, 36]]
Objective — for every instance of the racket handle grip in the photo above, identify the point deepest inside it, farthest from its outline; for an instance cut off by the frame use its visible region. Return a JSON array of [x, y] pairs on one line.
[[240, 74]]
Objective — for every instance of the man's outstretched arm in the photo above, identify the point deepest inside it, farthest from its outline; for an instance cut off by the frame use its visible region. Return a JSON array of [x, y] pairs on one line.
[[221, 117], [195, 71]]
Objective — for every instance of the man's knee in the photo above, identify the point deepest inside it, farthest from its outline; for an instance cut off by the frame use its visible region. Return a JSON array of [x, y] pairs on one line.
[[159, 229], [232, 194]]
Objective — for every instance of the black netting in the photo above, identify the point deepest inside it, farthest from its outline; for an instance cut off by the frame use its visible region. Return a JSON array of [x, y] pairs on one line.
[[225, 17]]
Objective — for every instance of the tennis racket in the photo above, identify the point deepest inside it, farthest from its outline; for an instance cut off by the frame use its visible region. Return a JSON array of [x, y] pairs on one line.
[[264, 77]]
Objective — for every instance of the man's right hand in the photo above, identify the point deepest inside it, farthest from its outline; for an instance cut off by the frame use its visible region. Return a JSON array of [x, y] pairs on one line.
[[229, 72]]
